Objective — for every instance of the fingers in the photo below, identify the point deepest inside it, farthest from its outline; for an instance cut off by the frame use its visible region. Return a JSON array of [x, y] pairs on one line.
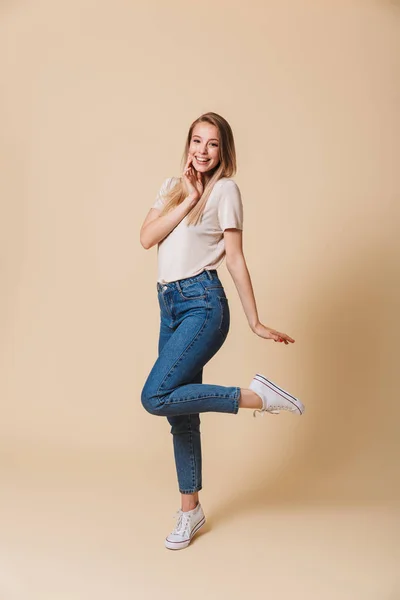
[[287, 338], [188, 174], [282, 337], [277, 336], [187, 169], [200, 181]]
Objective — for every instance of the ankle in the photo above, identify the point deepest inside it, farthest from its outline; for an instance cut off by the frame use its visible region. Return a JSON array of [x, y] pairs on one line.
[[190, 506], [250, 399]]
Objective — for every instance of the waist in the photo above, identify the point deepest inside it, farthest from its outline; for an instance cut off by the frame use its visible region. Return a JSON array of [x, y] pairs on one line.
[[206, 274]]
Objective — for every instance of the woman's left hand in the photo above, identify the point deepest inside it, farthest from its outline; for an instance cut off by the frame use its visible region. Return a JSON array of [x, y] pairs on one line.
[[268, 333]]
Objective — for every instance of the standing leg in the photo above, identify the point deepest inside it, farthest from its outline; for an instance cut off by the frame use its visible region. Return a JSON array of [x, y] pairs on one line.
[[187, 451], [185, 430]]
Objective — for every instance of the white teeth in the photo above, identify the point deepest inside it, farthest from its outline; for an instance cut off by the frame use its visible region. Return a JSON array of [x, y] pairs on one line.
[[202, 159]]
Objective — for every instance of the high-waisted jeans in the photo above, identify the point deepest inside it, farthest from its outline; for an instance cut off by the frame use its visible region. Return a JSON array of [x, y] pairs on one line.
[[195, 321]]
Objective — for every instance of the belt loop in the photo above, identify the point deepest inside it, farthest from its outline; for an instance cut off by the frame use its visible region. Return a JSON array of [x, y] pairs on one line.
[[208, 274]]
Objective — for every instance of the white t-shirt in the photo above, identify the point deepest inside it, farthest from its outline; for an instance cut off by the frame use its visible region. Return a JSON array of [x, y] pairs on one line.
[[187, 250]]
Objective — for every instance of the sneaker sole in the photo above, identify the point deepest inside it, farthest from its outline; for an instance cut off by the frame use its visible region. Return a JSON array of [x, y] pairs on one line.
[[295, 401], [184, 543]]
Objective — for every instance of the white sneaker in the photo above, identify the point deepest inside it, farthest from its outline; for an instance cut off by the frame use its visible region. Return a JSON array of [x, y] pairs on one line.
[[274, 398], [188, 524]]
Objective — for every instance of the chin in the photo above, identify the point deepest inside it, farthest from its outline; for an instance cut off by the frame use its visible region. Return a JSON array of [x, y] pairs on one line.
[[206, 170]]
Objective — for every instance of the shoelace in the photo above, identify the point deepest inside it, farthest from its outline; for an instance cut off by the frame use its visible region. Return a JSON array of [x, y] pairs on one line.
[[183, 525], [262, 411]]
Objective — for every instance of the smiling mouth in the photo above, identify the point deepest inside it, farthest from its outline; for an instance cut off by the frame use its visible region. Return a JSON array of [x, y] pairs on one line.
[[202, 161]]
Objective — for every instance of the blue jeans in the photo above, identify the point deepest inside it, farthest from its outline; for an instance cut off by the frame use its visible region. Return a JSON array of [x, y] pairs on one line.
[[194, 324]]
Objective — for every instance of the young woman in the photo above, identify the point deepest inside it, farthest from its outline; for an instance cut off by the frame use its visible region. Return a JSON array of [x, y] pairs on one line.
[[197, 221]]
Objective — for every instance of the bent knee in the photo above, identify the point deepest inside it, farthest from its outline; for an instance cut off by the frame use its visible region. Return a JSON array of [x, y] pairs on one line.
[[150, 401]]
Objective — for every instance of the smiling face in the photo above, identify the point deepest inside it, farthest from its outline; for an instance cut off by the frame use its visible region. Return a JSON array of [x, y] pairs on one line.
[[205, 147]]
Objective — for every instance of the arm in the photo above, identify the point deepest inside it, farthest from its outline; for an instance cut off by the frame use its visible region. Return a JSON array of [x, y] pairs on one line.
[[236, 265], [155, 228]]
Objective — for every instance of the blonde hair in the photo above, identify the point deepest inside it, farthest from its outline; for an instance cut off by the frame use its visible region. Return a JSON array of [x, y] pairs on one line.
[[225, 168]]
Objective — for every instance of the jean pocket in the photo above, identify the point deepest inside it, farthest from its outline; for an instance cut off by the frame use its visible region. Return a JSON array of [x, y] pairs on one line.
[[225, 315], [213, 284], [192, 290]]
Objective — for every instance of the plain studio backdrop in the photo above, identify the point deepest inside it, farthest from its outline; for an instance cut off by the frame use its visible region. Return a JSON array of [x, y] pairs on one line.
[[96, 101]]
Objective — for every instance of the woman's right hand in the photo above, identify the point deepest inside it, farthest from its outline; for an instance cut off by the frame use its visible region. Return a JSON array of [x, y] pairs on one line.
[[193, 180]]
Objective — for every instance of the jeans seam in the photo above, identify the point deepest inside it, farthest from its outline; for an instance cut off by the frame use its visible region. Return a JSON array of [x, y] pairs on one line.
[[192, 456], [166, 306], [182, 289], [192, 491], [191, 297], [225, 396], [223, 309], [236, 401]]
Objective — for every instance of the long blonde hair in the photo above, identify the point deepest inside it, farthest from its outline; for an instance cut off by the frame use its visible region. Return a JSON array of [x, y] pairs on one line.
[[225, 168]]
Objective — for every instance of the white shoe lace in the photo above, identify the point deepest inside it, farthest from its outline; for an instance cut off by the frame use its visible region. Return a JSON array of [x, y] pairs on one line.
[[183, 525], [273, 412]]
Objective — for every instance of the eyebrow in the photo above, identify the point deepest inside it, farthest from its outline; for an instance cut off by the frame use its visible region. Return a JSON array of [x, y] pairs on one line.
[[215, 139]]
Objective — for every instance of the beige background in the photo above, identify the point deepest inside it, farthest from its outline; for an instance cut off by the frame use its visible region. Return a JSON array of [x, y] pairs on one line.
[[96, 101]]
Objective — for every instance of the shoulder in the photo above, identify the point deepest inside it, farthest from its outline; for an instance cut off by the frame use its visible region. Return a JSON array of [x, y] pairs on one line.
[[228, 188], [174, 180], [170, 182], [227, 184]]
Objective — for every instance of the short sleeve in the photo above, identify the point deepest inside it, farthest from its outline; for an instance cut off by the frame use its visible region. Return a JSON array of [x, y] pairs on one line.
[[159, 202], [230, 207]]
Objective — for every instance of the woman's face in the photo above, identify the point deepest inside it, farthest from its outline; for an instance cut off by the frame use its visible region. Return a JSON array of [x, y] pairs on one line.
[[205, 145]]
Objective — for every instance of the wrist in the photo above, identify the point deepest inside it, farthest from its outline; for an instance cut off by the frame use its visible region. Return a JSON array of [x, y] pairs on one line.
[[191, 200], [254, 324]]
